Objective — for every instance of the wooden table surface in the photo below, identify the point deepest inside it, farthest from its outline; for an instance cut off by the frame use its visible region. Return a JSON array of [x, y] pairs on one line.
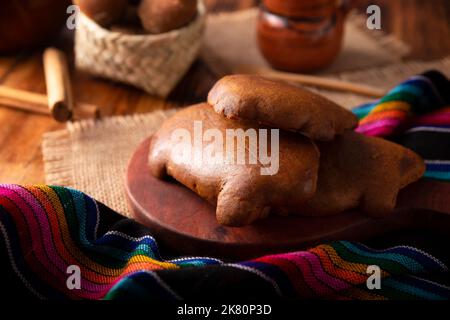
[[424, 25]]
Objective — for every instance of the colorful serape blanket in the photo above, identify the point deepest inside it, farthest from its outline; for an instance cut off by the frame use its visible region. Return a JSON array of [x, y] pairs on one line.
[[415, 114], [48, 233]]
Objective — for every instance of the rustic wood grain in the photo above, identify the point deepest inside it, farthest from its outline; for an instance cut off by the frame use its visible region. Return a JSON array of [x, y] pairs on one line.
[[424, 25]]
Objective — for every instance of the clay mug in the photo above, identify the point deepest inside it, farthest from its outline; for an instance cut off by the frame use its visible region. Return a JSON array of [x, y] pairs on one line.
[[301, 35]]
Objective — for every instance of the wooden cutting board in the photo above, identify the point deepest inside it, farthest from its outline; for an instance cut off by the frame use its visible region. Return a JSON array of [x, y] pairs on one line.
[[186, 224]]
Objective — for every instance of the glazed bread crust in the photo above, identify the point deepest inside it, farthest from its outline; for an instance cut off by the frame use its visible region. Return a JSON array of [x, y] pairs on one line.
[[280, 105], [361, 172]]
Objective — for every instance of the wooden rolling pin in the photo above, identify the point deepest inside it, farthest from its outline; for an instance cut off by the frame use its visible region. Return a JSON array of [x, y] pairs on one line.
[[59, 89], [38, 103], [315, 81]]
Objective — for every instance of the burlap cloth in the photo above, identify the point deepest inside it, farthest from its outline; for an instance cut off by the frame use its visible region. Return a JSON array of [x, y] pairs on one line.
[[92, 156]]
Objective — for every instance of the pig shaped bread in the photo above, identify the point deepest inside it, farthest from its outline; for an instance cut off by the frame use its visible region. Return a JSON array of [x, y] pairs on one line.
[[323, 167], [195, 147]]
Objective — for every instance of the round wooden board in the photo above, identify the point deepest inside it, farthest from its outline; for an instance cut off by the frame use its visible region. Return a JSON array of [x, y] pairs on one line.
[[186, 224]]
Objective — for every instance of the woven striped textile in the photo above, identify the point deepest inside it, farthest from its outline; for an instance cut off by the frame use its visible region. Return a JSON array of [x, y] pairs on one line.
[[415, 114], [46, 230]]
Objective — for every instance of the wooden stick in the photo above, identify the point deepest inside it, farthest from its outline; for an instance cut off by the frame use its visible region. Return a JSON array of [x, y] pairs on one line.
[[59, 90], [315, 81], [38, 103], [24, 106], [14, 96]]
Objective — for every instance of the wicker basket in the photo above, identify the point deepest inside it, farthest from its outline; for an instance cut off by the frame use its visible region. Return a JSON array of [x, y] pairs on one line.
[[154, 63]]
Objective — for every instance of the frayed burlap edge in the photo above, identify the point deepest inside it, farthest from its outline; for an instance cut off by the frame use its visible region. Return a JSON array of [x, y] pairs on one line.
[[57, 156]]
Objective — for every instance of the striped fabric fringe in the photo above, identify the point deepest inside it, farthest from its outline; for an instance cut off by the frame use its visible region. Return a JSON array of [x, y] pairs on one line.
[[415, 114], [46, 230]]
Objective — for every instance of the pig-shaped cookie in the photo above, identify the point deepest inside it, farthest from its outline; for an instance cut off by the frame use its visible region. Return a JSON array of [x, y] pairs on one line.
[[244, 169]]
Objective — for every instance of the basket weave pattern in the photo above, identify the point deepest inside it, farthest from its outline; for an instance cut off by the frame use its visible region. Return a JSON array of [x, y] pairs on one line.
[[154, 63]]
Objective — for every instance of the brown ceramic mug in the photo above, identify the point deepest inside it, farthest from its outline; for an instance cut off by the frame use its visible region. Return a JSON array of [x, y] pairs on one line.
[[301, 35]]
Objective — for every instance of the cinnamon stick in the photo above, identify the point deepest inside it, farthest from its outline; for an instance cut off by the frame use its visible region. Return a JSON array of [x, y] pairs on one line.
[[38, 103], [59, 89]]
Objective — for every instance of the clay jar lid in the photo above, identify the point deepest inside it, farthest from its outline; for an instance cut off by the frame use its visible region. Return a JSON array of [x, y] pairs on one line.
[[302, 8]]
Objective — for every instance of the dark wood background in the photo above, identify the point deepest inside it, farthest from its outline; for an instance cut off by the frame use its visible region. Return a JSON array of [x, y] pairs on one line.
[[424, 25]]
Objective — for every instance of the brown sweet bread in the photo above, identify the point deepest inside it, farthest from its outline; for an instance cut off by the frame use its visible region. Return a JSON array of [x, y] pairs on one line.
[[104, 12], [242, 194], [158, 16], [280, 105], [360, 172]]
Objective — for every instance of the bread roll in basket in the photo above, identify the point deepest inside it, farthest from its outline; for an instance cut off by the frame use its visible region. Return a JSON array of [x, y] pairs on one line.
[[152, 62]]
